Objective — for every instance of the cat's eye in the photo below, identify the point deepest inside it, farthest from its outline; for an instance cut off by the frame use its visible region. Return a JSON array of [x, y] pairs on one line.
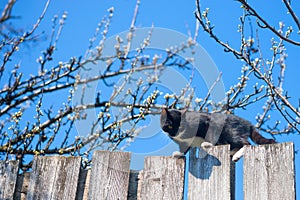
[[170, 126]]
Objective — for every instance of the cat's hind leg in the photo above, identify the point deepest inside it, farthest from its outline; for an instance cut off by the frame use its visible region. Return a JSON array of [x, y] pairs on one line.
[[183, 149], [177, 154], [238, 154]]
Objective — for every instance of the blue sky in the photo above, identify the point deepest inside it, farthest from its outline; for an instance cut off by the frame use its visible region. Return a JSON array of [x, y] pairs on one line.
[[174, 15]]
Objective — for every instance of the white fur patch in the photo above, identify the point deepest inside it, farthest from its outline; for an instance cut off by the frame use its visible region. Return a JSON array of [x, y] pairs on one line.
[[238, 154], [177, 154], [206, 145]]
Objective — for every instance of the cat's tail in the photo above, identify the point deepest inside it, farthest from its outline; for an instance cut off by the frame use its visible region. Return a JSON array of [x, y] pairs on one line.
[[259, 139]]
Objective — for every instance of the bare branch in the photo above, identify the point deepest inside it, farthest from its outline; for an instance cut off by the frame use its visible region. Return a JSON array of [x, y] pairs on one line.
[[6, 13], [253, 12], [291, 11]]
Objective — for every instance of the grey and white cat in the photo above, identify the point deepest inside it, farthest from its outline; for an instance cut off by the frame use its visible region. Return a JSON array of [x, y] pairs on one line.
[[197, 129]]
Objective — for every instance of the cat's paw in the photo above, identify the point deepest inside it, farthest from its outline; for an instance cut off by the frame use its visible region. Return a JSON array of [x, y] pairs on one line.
[[178, 154], [206, 145], [236, 158]]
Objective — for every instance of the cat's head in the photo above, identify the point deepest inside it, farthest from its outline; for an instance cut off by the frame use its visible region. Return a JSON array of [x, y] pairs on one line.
[[170, 121]]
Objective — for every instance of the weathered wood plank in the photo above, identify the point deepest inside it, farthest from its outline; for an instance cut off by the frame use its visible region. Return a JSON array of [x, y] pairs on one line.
[[210, 175], [8, 178], [110, 175], [269, 172], [54, 177], [162, 178]]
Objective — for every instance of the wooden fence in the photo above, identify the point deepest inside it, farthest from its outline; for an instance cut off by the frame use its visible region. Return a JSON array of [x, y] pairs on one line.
[[268, 174]]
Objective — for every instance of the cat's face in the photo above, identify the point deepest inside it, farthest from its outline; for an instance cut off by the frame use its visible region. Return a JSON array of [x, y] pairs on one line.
[[170, 121]]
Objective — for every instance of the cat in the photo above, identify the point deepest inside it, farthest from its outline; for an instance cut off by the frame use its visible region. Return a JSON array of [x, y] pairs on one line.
[[198, 129]]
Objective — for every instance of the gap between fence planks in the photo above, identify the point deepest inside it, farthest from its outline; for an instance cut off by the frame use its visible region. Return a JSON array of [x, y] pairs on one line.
[[268, 174]]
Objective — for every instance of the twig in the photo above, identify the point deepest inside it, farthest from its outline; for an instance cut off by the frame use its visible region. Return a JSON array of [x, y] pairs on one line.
[[6, 13], [266, 24], [291, 11], [210, 90]]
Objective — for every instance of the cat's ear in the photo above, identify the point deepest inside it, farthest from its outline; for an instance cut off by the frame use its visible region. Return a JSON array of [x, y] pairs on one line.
[[164, 112], [183, 112], [163, 117]]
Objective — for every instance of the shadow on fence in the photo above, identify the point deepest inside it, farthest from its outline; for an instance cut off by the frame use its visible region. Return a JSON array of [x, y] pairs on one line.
[[268, 175]]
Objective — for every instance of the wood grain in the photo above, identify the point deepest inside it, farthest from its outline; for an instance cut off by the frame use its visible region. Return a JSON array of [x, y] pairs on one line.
[[110, 175], [269, 172], [162, 178], [8, 178], [54, 177], [211, 176]]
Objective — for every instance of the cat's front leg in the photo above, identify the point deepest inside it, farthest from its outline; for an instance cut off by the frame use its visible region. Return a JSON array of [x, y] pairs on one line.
[[183, 149], [206, 145]]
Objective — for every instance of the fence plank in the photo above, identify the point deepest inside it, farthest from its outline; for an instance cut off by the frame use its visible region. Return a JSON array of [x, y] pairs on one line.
[[110, 175], [269, 172], [54, 177], [211, 175], [162, 178], [8, 178]]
